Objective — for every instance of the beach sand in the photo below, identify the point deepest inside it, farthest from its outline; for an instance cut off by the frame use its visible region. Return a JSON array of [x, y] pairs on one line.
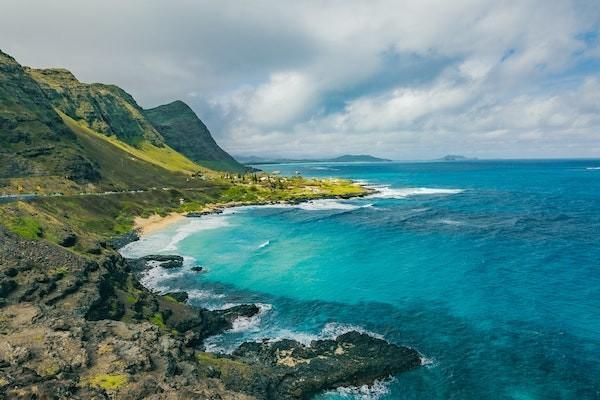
[[155, 222]]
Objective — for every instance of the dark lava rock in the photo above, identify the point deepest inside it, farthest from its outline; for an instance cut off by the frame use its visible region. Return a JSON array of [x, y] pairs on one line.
[[197, 269], [287, 369], [89, 314], [197, 214], [122, 240], [243, 310], [7, 286], [68, 240], [162, 258], [179, 296], [166, 261], [171, 264], [95, 249]]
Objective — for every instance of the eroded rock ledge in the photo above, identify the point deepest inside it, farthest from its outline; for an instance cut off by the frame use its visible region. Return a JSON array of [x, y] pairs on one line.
[[74, 327]]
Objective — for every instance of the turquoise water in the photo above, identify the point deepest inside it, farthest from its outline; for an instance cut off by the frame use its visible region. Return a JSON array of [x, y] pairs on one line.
[[490, 269]]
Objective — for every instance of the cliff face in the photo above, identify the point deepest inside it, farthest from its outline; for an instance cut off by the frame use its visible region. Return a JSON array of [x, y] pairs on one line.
[[34, 141], [186, 133], [58, 134], [107, 109]]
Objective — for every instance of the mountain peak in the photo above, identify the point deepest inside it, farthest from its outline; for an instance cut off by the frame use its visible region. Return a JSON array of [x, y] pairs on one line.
[[185, 132]]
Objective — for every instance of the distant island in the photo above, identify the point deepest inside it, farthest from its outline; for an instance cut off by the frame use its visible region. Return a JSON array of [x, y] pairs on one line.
[[254, 160], [454, 157]]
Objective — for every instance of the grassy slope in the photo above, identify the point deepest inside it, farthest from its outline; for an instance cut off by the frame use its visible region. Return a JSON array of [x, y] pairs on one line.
[[45, 152], [107, 109], [34, 142], [95, 218], [164, 157]]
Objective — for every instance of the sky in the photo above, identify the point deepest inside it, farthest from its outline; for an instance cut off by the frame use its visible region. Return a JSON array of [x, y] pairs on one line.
[[407, 80]]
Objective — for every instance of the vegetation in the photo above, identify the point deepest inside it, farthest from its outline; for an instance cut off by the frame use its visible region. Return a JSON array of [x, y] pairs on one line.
[[98, 161], [26, 226], [186, 133], [157, 319], [107, 381], [162, 156]]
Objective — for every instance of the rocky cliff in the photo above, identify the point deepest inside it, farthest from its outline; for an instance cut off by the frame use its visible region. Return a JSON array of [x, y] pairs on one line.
[[107, 109], [34, 141]]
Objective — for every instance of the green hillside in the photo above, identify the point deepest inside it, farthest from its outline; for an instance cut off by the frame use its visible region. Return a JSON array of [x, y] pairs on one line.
[[34, 141], [47, 143], [186, 133], [107, 109]]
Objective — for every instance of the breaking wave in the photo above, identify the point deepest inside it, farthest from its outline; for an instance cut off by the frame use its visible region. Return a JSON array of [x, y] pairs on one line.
[[386, 192]]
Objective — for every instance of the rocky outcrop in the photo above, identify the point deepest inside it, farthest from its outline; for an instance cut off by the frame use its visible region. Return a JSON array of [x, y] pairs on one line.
[[122, 240], [287, 369], [165, 261], [82, 328]]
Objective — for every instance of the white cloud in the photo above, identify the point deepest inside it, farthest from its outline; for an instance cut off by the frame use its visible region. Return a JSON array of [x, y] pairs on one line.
[[499, 78]]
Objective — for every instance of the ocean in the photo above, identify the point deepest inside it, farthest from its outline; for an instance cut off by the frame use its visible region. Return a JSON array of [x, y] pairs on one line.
[[490, 269]]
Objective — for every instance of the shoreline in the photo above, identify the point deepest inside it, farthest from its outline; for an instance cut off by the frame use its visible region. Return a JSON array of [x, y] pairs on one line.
[[156, 222]]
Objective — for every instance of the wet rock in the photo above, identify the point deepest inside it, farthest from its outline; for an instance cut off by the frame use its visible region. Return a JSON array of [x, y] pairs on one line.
[[287, 369], [70, 338], [197, 214], [243, 310], [196, 269], [166, 261]]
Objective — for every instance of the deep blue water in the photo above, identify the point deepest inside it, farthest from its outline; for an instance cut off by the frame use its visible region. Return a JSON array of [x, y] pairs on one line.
[[490, 269]]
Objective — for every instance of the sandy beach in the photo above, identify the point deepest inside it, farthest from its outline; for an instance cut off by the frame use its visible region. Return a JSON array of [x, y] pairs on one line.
[[155, 222]]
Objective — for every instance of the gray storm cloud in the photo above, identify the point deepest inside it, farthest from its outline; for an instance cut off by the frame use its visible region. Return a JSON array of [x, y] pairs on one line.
[[405, 80]]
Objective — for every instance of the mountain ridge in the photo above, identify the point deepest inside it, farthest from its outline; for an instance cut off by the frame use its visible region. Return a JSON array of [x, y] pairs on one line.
[[48, 142], [185, 132]]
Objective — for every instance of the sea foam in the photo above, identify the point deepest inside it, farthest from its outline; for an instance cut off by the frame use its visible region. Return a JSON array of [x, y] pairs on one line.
[[264, 244], [326, 204], [243, 324], [386, 192], [196, 225], [377, 390]]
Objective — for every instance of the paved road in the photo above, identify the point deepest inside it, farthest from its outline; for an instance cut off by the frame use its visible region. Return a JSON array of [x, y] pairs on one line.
[[32, 196]]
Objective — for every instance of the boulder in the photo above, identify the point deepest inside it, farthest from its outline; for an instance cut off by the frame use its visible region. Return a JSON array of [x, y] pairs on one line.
[[166, 261], [287, 369], [68, 240]]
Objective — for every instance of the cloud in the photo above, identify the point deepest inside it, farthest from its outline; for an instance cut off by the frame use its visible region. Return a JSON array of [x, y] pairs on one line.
[[410, 79]]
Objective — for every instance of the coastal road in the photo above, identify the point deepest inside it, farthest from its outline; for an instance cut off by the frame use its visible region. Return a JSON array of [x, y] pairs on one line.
[[8, 198]]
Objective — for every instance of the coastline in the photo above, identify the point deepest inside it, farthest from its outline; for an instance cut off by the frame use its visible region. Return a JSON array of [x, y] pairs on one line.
[[348, 340], [156, 222]]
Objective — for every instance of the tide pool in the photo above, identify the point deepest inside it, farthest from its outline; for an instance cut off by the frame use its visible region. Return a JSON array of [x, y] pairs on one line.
[[490, 269]]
